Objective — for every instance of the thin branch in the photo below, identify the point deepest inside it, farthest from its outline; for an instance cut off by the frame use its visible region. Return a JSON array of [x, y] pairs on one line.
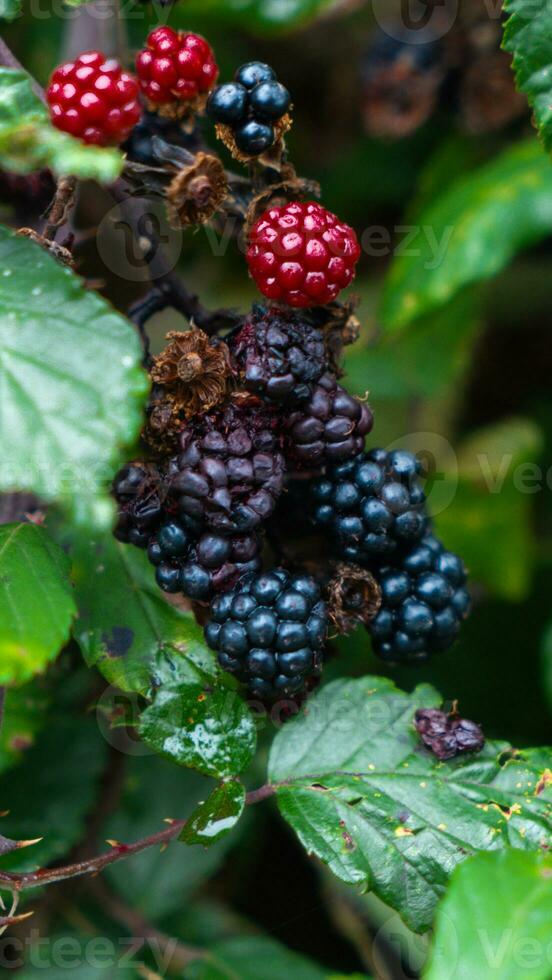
[[163, 277], [61, 205], [258, 795]]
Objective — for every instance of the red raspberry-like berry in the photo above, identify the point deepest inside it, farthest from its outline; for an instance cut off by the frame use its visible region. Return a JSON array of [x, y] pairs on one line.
[[94, 99], [301, 254], [175, 67]]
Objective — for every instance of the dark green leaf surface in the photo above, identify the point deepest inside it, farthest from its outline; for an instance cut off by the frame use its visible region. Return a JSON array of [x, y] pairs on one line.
[[528, 36], [72, 385], [126, 627], [208, 728], [53, 790], [28, 141], [24, 715], [80, 957], [160, 882], [216, 817], [9, 9], [495, 922], [255, 958], [480, 222], [36, 601], [382, 812]]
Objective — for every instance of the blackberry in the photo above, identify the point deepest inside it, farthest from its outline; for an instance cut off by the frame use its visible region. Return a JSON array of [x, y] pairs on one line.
[[448, 735], [199, 566], [269, 632], [140, 146], [373, 505], [230, 471], [329, 428], [251, 112], [424, 600], [137, 490], [279, 354]]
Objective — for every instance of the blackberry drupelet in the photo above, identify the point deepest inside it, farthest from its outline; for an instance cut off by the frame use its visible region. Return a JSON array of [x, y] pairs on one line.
[[279, 354], [448, 735], [330, 428], [137, 490], [230, 472], [269, 632], [199, 566], [424, 600], [373, 505]]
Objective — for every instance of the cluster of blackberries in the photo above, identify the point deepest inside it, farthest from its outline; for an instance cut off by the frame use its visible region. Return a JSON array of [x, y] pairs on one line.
[[251, 106]]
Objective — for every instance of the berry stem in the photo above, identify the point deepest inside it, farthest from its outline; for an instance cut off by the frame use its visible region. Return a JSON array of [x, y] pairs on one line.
[[61, 205]]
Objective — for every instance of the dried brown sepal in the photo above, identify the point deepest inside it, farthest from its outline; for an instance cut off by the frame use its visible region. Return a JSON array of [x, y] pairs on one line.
[[354, 597], [488, 97], [226, 135], [341, 328], [196, 192], [180, 109], [290, 188], [58, 251], [190, 376]]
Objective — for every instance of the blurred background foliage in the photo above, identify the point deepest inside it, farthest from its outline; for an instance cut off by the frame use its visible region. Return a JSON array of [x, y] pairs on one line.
[[455, 354]]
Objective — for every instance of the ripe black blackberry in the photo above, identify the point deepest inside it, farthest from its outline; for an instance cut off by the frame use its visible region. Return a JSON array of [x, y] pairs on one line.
[[200, 565], [448, 735], [423, 602], [373, 505], [140, 146], [329, 428], [280, 354], [252, 107], [137, 488], [269, 632], [230, 471]]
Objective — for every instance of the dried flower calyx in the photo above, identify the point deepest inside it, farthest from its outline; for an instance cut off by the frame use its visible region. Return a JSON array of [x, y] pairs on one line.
[[191, 376], [354, 597], [197, 191]]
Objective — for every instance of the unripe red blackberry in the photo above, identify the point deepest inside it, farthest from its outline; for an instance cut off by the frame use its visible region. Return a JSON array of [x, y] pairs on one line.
[[301, 254], [175, 70], [230, 471], [94, 99], [329, 428], [279, 354], [269, 631]]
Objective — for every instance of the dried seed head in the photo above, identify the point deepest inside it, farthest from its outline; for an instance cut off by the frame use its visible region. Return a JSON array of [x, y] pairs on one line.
[[196, 192], [448, 735], [354, 597], [191, 376]]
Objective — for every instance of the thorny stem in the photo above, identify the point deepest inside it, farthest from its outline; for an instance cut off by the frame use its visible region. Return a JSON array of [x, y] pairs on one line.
[[21, 881]]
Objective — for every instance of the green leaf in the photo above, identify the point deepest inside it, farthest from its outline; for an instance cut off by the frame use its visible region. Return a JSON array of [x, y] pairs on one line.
[[528, 36], [156, 882], [72, 385], [362, 794], [255, 958], [28, 141], [208, 728], [36, 601], [546, 654], [83, 956], [219, 814], [489, 519], [126, 627], [263, 16], [53, 790], [471, 232], [24, 716], [495, 922], [10, 9]]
